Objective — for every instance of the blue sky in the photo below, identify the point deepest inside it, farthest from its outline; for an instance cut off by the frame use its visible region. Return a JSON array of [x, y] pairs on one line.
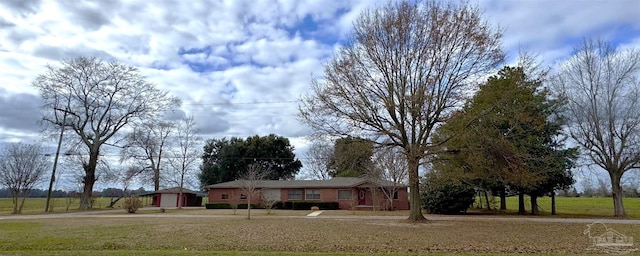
[[240, 65]]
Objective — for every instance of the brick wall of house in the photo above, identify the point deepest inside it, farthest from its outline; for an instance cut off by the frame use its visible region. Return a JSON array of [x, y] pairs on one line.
[[402, 203], [326, 195], [375, 197], [347, 204], [234, 195]]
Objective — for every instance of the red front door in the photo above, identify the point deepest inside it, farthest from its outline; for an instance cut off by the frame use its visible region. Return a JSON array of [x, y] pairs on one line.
[[362, 197]]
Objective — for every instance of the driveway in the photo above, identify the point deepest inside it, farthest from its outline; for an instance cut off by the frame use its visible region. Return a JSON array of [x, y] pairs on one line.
[[119, 213]]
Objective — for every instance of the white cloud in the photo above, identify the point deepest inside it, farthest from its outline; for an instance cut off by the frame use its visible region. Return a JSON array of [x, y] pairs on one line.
[[248, 51], [549, 25]]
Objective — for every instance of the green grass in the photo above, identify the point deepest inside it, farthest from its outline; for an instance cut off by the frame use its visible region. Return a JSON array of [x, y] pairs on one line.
[[578, 206]]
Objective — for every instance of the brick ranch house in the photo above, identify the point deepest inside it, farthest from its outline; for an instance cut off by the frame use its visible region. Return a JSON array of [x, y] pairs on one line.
[[350, 193]]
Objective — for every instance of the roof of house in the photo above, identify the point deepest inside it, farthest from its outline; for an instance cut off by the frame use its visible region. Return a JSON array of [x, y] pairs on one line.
[[174, 190], [337, 182]]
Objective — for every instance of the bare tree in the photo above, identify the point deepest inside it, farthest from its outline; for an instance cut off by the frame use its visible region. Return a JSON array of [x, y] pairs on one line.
[[123, 176], [318, 160], [146, 144], [404, 70], [99, 98], [186, 155], [602, 88], [22, 166], [267, 202], [234, 202], [250, 179], [391, 172]]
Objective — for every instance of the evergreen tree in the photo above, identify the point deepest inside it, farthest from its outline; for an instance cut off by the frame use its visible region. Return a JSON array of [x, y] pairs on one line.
[[509, 137]]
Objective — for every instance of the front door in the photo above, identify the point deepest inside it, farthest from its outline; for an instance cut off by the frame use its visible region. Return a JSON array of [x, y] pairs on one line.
[[362, 195]]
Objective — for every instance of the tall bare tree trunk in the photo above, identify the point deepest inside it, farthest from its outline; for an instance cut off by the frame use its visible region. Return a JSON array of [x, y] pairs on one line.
[[156, 179], [503, 199], [181, 199], [534, 205], [249, 207], [25, 194], [553, 203], [15, 197], [89, 180], [616, 192], [415, 213], [521, 209]]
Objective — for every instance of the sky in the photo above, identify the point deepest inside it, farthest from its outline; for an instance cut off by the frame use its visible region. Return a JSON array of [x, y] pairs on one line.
[[240, 66]]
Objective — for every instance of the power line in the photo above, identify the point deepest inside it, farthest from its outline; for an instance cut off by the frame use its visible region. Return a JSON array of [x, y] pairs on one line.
[[40, 107], [244, 103]]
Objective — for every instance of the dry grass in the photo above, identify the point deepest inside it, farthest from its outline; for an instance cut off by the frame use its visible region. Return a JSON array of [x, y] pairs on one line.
[[273, 233]]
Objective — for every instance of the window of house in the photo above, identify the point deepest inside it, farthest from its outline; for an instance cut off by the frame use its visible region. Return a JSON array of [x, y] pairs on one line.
[[344, 194], [243, 196], [312, 194], [395, 195], [225, 197], [294, 194]]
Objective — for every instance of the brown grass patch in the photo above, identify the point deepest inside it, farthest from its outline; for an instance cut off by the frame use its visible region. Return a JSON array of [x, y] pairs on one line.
[[296, 234]]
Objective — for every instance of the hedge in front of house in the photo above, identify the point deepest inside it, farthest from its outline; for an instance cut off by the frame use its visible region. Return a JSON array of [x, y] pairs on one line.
[[305, 205], [228, 206], [292, 205]]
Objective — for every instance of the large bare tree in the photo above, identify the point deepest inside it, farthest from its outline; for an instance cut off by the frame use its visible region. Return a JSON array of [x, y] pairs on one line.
[[147, 145], [100, 98], [318, 160], [186, 154], [602, 87], [22, 166], [405, 67]]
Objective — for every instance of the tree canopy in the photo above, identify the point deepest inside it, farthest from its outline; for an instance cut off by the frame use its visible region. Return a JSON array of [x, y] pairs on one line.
[[225, 159], [351, 157]]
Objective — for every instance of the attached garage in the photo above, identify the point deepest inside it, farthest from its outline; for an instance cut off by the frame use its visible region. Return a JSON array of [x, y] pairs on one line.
[[170, 198]]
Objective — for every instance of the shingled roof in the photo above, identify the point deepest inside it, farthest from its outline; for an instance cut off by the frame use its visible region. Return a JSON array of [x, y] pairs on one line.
[[174, 190], [337, 182]]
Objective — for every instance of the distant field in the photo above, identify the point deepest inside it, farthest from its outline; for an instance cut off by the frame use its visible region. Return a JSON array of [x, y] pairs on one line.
[[579, 206], [36, 205]]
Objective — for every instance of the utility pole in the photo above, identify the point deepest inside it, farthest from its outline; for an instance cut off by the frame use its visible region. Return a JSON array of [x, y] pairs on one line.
[[55, 160]]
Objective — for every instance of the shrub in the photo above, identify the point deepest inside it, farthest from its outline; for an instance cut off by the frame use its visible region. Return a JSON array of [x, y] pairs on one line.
[[132, 204], [229, 206], [217, 206], [446, 196], [304, 205], [292, 205]]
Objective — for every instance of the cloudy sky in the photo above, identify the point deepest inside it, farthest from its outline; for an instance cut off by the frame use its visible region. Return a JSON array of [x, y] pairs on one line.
[[240, 66]]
